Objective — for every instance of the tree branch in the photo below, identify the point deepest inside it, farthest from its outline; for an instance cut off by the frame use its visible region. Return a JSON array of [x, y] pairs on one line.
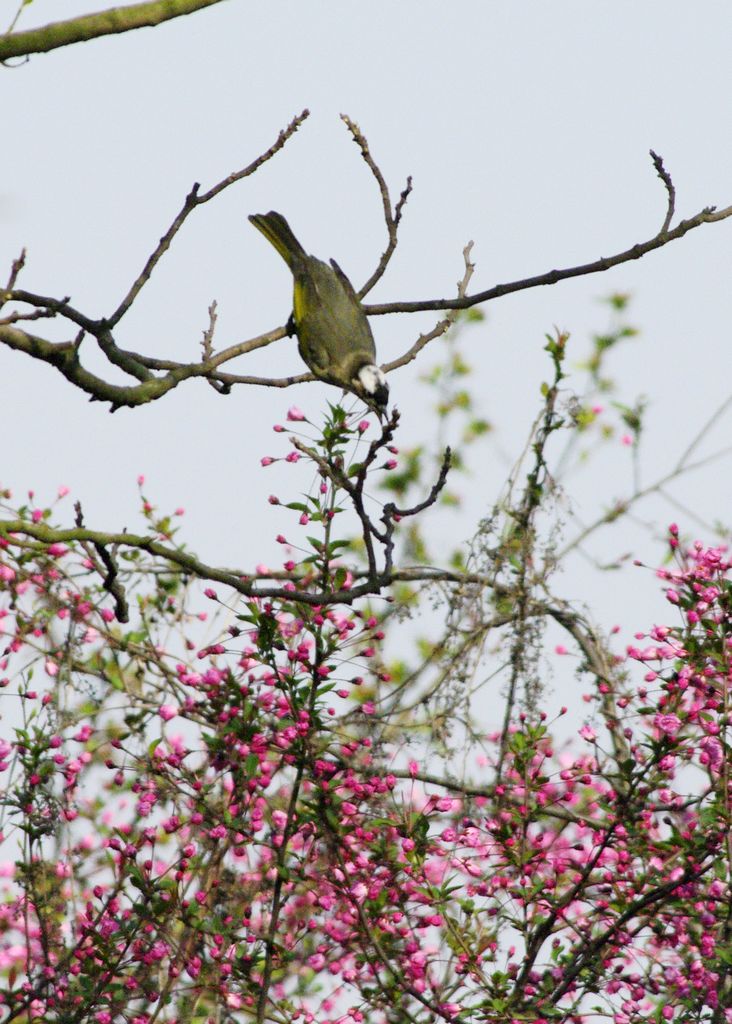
[[91, 26], [392, 219], [443, 325], [709, 215], [191, 202], [65, 356], [666, 179]]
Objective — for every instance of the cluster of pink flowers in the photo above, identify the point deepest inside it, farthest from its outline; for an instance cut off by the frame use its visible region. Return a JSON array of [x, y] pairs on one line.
[[222, 824]]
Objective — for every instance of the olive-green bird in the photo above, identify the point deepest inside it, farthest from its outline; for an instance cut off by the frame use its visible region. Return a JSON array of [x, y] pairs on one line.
[[334, 337]]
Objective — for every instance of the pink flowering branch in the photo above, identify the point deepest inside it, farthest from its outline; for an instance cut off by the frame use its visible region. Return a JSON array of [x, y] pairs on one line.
[[220, 808], [19, 532], [272, 849]]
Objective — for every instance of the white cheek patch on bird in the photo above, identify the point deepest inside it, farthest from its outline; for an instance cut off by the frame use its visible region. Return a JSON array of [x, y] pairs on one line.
[[373, 382]]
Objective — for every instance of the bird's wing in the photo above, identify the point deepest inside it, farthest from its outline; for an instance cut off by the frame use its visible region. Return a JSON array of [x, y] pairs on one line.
[[348, 287]]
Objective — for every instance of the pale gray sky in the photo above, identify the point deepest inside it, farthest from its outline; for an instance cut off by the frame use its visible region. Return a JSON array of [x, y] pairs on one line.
[[526, 127]]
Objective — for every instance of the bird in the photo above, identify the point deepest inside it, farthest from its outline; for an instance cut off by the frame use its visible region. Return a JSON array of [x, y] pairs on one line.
[[333, 332]]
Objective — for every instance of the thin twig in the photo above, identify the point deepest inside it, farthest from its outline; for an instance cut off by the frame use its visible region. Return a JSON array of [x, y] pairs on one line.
[[15, 268], [443, 325], [391, 219], [193, 200], [702, 432], [622, 506], [666, 179], [709, 215], [208, 349]]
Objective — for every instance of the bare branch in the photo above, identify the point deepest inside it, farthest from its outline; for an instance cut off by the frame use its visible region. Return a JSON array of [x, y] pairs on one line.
[[666, 179], [207, 341], [59, 307], [443, 325], [15, 268], [622, 506], [709, 215], [208, 349], [145, 369], [717, 415], [37, 314], [391, 510], [92, 26], [65, 356], [392, 219], [193, 200]]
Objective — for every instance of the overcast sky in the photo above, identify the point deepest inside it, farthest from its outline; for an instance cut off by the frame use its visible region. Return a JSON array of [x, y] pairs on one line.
[[526, 128]]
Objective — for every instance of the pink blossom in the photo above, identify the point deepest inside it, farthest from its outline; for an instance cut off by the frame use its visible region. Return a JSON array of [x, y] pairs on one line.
[[295, 414], [168, 711], [711, 753], [670, 724]]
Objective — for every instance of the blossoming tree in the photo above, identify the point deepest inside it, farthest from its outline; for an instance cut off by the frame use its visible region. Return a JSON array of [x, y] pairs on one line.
[[233, 794], [253, 825]]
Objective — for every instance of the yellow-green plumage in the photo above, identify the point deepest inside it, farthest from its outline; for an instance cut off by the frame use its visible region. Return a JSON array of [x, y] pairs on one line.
[[334, 337]]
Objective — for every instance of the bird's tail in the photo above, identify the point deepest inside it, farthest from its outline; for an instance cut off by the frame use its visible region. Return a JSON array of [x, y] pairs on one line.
[[277, 231]]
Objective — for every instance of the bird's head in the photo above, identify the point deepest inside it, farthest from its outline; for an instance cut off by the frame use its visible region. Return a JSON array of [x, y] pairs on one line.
[[373, 386]]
